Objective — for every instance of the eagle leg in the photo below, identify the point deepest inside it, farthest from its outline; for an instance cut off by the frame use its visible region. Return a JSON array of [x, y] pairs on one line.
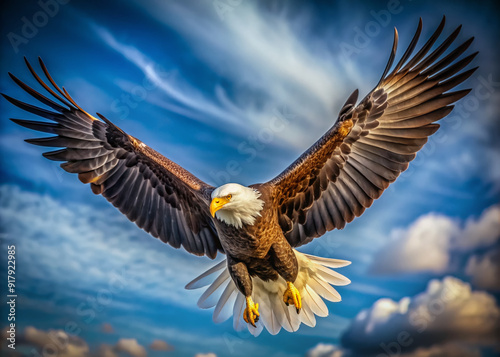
[[285, 263], [241, 277], [251, 313], [292, 296]]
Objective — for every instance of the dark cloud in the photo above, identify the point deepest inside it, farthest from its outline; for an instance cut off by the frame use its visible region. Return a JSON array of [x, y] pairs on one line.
[[445, 350], [62, 344], [54, 342], [484, 270], [442, 350]]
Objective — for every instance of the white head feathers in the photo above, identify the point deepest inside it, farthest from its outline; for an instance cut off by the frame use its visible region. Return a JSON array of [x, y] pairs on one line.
[[243, 207]]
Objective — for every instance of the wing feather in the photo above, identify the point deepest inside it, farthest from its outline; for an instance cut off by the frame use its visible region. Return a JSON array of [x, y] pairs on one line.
[[158, 195], [372, 143]]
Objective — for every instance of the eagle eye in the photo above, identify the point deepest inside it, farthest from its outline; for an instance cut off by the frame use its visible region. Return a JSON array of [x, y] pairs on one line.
[[229, 196]]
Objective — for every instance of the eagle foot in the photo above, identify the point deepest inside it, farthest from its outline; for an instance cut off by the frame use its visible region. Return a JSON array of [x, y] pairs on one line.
[[292, 296], [251, 313]]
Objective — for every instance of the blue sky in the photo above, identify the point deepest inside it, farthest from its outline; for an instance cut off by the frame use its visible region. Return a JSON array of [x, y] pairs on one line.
[[206, 83]]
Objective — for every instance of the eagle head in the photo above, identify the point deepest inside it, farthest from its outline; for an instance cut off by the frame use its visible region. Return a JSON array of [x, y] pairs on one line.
[[236, 205]]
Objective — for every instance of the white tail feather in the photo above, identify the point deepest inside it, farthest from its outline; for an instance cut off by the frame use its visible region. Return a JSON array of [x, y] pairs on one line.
[[239, 307], [309, 318], [209, 299], [313, 281], [222, 310], [205, 279], [317, 304], [327, 262]]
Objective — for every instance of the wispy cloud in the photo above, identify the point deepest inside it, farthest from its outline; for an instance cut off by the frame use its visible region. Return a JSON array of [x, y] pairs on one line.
[[60, 241], [268, 62], [172, 85]]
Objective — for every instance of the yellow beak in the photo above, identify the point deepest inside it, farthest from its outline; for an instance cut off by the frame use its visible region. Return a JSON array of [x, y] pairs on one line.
[[216, 204]]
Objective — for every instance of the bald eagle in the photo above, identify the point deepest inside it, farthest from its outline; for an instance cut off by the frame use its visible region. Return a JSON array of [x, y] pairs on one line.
[[264, 281]]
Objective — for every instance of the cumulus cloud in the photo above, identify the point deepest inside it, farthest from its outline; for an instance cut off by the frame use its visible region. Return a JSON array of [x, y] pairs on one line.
[[447, 311], [326, 350], [484, 270], [423, 246], [452, 349], [479, 233], [427, 244], [130, 346], [54, 342], [160, 345], [105, 350], [63, 344]]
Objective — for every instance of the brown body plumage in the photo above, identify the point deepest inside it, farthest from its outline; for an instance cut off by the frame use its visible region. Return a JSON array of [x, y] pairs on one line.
[[261, 247], [334, 181]]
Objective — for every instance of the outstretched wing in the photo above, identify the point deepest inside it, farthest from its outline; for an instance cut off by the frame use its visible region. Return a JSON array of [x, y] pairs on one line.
[[371, 143], [158, 195]]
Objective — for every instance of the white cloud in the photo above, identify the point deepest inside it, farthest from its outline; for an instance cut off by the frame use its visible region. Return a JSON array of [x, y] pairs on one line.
[[427, 244], [424, 246], [60, 240], [171, 84], [485, 270], [279, 66], [325, 350], [481, 232], [447, 311]]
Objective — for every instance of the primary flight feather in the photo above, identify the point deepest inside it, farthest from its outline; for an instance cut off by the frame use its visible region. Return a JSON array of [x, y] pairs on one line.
[[264, 281]]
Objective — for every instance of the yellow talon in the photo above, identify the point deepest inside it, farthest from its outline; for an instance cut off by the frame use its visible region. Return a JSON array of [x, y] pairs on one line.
[[251, 313], [292, 296]]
